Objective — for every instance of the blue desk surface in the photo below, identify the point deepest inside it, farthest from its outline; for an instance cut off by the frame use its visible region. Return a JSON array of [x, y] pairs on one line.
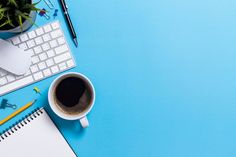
[[164, 73]]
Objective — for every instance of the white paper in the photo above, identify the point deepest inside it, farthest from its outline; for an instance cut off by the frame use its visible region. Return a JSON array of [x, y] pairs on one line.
[[38, 138]]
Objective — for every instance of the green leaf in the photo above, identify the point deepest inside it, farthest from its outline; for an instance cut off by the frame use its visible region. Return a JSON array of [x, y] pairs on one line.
[[36, 3], [10, 21], [12, 2], [20, 22], [3, 24], [4, 9]]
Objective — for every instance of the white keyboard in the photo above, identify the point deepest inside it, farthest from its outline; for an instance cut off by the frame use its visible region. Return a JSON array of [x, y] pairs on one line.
[[50, 55]]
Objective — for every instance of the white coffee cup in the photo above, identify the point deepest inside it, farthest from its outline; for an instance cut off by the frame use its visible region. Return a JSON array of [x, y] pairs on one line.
[[82, 116]]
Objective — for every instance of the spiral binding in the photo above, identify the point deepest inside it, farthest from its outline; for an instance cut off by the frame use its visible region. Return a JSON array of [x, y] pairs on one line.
[[21, 123]]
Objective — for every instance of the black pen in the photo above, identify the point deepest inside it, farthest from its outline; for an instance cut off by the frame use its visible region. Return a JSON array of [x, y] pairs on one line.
[[72, 31]]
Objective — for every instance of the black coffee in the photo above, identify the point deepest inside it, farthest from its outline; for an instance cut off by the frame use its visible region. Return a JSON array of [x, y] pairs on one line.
[[73, 95]]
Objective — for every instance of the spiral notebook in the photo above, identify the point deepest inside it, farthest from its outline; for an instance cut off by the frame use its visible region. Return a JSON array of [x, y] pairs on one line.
[[35, 135]]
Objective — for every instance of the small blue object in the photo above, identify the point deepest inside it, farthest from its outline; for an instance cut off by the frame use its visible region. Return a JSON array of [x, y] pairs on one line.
[[43, 13], [55, 13], [5, 104]]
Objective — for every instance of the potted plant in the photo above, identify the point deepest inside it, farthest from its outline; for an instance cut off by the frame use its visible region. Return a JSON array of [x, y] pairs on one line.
[[17, 15]]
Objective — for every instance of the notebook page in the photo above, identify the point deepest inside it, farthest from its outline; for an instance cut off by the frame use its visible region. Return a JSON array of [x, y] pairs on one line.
[[38, 138]]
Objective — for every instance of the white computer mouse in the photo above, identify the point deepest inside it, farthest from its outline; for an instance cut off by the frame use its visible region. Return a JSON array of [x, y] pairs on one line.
[[14, 59]]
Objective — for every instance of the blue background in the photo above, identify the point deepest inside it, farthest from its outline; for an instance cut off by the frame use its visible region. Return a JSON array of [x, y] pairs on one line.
[[164, 73]]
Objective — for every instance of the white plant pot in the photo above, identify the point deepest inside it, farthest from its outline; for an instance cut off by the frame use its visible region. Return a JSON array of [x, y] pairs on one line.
[[25, 26]]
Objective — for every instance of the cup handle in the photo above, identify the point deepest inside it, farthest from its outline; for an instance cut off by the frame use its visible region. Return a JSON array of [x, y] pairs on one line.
[[84, 122]]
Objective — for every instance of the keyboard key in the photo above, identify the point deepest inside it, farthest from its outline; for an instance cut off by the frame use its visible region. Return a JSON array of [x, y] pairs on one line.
[[37, 50], [10, 78], [55, 25], [61, 49], [62, 57], [47, 28], [38, 75], [2, 72], [70, 63], [3, 81], [35, 59], [15, 40], [30, 43], [61, 40], [56, 33], [45, 46], [17, 84], [46, 37], [42, 65], [53, 43], [24, 37], [31, 34], [54, 69], [38, 40], [43, 56], [34, 68], [62, 66], [49, 62], [39, 31], [47, 72], [23, 46], [50, 53]]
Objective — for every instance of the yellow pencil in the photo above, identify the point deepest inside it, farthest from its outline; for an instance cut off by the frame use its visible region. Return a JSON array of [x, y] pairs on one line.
[[17, 112]]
